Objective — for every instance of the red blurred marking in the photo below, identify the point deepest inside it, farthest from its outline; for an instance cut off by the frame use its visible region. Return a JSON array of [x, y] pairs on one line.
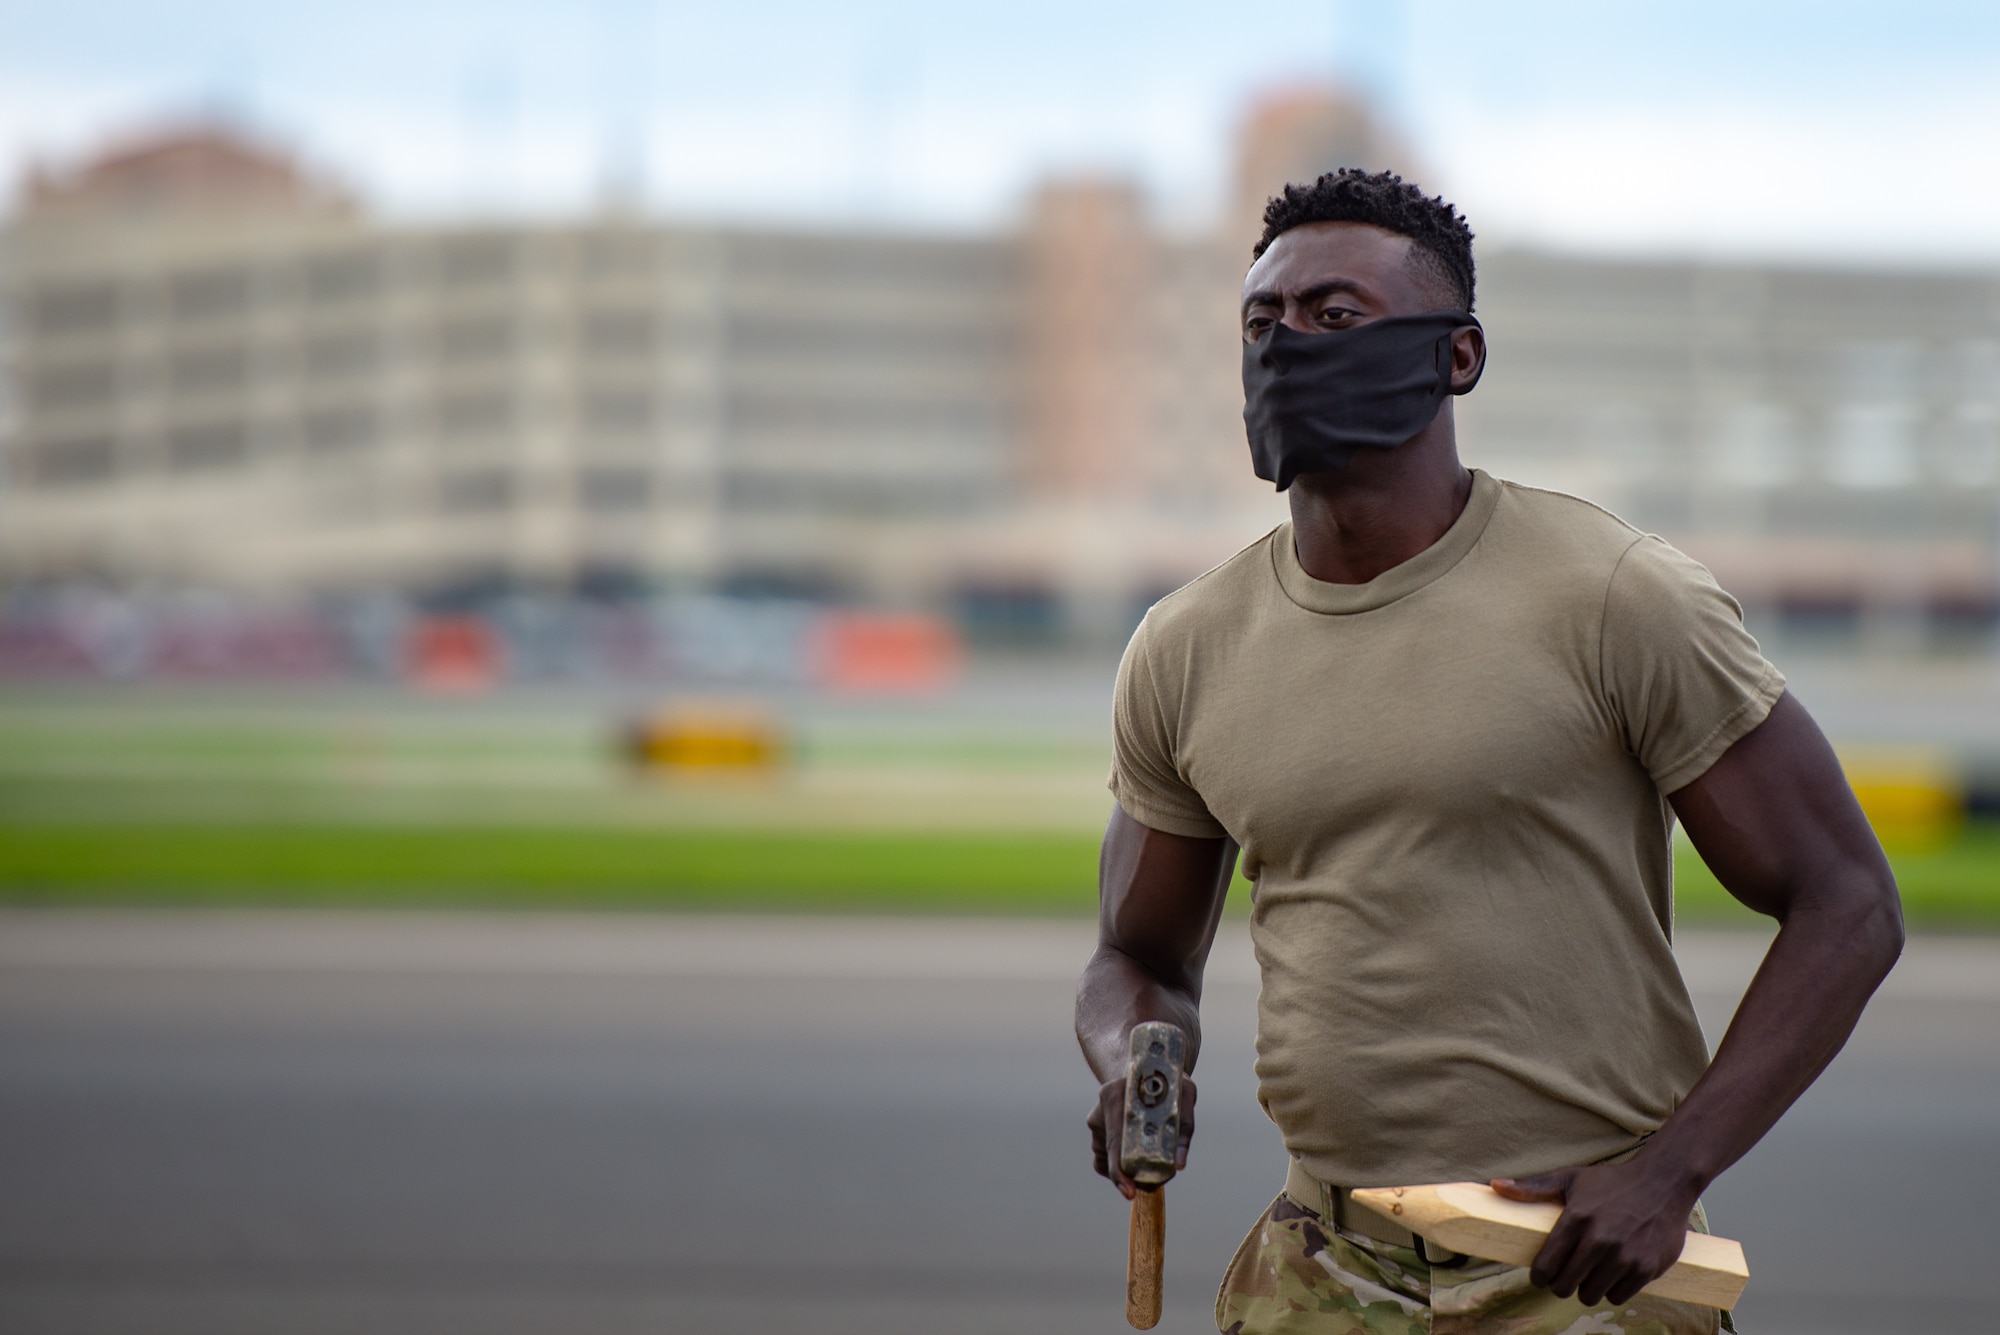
[[878, 652], [453, 654]]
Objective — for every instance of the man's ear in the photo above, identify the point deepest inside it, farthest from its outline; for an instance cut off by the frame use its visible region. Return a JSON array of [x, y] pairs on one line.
[[1468, 358]]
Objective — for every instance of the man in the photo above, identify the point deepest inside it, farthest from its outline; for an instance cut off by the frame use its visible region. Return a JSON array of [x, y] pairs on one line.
[[1449, 721]]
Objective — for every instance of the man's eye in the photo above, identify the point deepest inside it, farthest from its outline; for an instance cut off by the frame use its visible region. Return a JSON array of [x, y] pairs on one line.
[[1256, 325], [1336, 315]]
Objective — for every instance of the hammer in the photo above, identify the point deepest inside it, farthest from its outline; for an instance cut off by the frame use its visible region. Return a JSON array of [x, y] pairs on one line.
[[1146, 1152]]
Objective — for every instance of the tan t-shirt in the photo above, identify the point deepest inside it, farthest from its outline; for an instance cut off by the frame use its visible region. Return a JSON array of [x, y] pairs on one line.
[[1448, 785]]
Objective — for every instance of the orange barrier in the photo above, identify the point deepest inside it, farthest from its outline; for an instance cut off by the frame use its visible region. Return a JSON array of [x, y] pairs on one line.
[[889, 653], [452, 653]]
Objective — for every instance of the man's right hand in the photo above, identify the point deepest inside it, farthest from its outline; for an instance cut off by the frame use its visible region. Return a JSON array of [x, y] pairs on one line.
[[1107, 1121]]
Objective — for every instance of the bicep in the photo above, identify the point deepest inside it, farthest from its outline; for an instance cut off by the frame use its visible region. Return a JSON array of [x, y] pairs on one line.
[[1775, 819], [1160, 895]]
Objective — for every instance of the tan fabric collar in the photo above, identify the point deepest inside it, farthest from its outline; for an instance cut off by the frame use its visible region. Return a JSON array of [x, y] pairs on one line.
[[1398, 582]]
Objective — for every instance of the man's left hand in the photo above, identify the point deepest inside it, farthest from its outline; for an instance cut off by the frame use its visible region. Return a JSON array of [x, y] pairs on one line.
[[1622, 1227]]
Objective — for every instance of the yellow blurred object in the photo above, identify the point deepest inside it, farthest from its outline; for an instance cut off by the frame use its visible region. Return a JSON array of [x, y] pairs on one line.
[[709, 738], [1915, 800]]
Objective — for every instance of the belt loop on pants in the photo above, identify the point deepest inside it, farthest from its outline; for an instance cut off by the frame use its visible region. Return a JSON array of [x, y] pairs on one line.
[[1335, 1205]]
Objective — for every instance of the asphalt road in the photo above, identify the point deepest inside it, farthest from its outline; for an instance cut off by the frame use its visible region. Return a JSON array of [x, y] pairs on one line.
[[300, 1123]]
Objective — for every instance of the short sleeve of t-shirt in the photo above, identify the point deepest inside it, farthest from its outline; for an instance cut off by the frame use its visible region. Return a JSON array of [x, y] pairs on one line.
[[1684, 677], [1144, 776]]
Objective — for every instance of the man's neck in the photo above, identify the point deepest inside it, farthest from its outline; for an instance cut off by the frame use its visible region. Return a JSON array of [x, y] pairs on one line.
[[1352, 524]]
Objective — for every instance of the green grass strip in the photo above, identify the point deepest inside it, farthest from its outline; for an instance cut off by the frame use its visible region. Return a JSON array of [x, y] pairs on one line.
[[1027, 873], [1954, 885], [1957, 885]]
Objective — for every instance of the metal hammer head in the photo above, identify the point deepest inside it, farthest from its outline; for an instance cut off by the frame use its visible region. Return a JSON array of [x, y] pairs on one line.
[[1152, 1135]]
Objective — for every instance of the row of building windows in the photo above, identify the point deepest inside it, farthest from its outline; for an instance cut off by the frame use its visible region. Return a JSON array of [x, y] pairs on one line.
[[223, 371], [599, 335], [1842, 619], [218, 446], [634, 490], [843, 338], [594, 490], [1647, 360], [65, 461], [800, 492], [635, 411], [1764, 446], [476, 491], [337, 282], [609, 333], [79, 461], [874, 264], [598, 490], [769, 413], [329, 279], [498, 491], [622, 490], [632, 412]]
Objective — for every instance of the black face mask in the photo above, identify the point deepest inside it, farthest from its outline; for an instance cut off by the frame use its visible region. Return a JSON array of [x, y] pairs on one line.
[[1311, 400]]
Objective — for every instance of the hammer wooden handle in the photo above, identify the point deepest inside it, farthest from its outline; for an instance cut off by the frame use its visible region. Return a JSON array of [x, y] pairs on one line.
[[1142, 1264]]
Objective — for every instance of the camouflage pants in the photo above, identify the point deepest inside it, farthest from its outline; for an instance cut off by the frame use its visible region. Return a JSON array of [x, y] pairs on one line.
[[1295, 1276]]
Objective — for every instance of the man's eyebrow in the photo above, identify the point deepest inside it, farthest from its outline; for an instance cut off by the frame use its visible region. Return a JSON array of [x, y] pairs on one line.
[[1269, 296]]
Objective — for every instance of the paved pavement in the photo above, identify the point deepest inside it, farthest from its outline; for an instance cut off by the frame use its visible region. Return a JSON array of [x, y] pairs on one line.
[[302, 1122]]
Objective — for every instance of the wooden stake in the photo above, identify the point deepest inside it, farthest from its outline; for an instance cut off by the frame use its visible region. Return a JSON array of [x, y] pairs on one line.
[[1143, 1261], [1473, 1218]]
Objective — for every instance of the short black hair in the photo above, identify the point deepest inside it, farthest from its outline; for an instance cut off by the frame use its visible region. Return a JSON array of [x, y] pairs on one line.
[[1442, 240]]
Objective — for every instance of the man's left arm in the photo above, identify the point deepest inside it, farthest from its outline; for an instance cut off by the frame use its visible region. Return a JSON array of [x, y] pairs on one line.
[[1776, 822]]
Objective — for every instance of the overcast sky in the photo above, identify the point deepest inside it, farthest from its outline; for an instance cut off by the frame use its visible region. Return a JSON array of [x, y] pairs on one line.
[[1783, 129]]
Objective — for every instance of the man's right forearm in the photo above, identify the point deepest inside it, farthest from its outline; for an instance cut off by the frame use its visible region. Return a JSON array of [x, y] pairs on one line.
[[1116, 993], [1159, 898]]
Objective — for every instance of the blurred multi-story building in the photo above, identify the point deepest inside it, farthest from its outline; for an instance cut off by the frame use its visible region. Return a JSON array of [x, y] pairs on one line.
[[1827, 440], [292, 395], [231, 376], [224, 372]]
